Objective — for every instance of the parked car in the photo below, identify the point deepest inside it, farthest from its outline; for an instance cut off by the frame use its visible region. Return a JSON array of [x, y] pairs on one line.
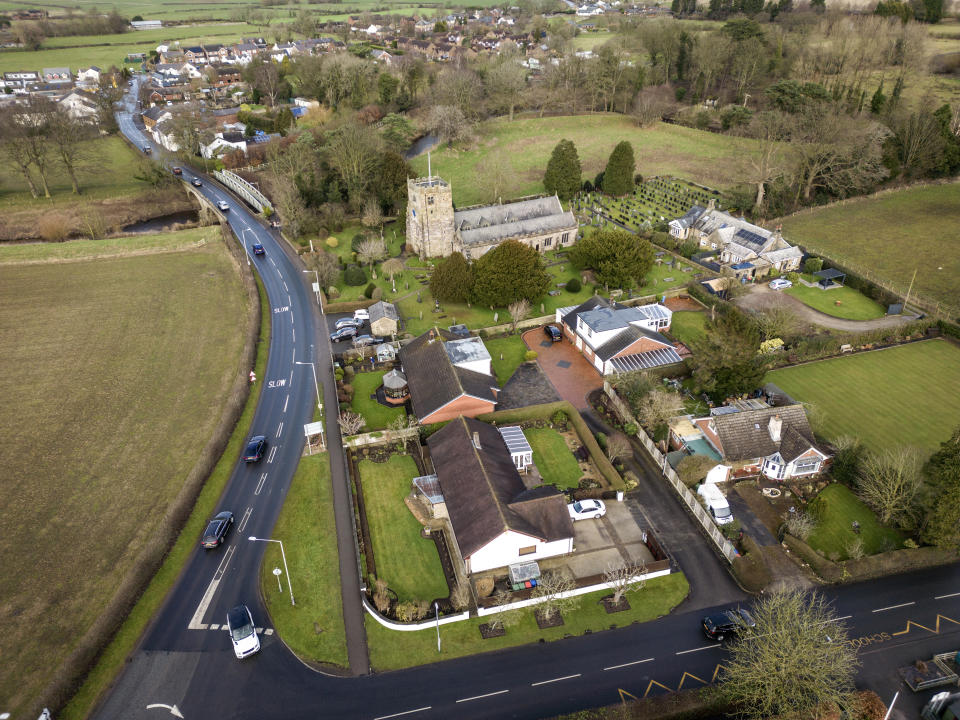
[[361, 315], [347, 322], [177, 170], [258, 249], [217, 530], [147, 149], [243, 633], [343, 334], [728, 623], [586, 509], [197, 182], [552, 332], [223, 205], [780, 284], [361, 340], [255, 449]]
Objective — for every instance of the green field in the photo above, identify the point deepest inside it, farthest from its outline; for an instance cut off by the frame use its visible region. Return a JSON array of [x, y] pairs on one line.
[[306, 525], [853, 305], [553, 458], [891, 236], [901, 396], [512, 349], [408, 562], [688, 325], [835, 509], [524, 147], [378, 416], [105, 363]]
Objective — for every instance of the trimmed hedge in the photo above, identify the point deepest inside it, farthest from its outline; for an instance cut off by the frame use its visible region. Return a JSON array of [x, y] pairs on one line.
[[826, 569], [751, 569]]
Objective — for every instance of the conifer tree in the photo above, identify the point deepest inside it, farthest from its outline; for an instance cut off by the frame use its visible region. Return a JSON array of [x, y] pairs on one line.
[[563, 171], [618, 176]]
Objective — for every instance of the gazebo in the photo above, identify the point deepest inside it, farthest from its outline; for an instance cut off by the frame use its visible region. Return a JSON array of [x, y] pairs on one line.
[[830, 278], [395, 388]]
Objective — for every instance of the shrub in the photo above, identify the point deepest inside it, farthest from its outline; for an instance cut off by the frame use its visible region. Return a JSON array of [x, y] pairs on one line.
[[377, 293], [694, 468], [530, 355], [812, 265], [630, 480], [333, 293], [800, 525], [357, 239], [54, 227], [574, 285], [332, 242], [793, 277], [630, 429], [338, 373], [354, 276], [559, 419], [602, 440], [368, 292]]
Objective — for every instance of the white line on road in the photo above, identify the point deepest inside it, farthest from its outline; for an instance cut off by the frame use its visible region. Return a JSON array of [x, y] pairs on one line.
[[894, 607], [279, 429], [705, 647], [285, 402], [263, 479], [480, 697], [272, 262], [268, 631], [285, 287], [405, 712], [635, 662], [547, 682], [248, 512], [294, 331], [273, 453], [944, 597], [845, 617], [195, 622], [214, 626]]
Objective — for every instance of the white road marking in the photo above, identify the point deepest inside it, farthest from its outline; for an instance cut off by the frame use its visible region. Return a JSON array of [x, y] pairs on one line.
[[215, 626], [294, 331], [268, 631], [635, 662], [263, 479], [286, 288], [272, 262], [845, 617], [705, 647], [405, 712], [480, 697], [944, 597], [285, 402], [894, 607], [195, 622], [259, 631], [279, 429], [246, 514], [547, 682], [273, 452], [291, 377], [289, 302]]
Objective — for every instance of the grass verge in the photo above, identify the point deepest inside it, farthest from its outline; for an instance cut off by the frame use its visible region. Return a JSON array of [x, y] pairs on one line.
[[553, 459], [313, 628], [506, 354], [391, 650], [378, 416], [836, 508]]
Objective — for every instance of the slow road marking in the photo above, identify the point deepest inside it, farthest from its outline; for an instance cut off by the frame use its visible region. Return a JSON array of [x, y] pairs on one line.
[[480, 697]]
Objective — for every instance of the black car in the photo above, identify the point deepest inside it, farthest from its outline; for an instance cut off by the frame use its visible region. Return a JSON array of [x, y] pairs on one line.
[[552, 332], [728, 623], [343, 333], [217, 530], [197, 182], [363, 340], [255, 449], [258, 249]]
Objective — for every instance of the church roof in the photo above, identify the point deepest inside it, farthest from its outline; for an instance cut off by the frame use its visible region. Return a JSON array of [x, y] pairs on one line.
[[492, 223]]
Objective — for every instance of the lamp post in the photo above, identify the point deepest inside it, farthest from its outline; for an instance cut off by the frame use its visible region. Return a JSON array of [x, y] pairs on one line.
[[284, 555], [436, 612], [317, 276], [243, 236]]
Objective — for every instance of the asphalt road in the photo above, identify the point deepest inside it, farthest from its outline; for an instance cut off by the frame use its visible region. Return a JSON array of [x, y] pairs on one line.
[[185, 660]]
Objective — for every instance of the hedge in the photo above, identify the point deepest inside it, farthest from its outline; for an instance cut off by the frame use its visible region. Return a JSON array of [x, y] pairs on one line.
[[751, 569], [826, 569]]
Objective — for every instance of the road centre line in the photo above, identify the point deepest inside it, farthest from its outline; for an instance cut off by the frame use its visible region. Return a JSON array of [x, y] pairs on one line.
[[273, 453], [480, 697], [263, 479], [285, 286], [623, 665], [547, 682], [894, 607], [247, 513], [285, 402], [294, 332], [705, 647], [195, 622], [944, 597], [406, 712], [279, 429]]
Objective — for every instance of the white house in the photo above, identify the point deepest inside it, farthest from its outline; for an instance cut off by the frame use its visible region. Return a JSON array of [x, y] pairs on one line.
[[79, 106], [90, 75], [496, 520], [224, 142], [589, 10]]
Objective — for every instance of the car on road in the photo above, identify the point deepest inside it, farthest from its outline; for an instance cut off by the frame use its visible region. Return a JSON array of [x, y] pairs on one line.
[[728, 623], [217, 530], [586, 509], [177, 170], [780, 284], [362, 340], [255, 449], [197, 182], [147, 149], [223, 205], [343, 333], [347, 322], [243, 633], [258, 249], [361, 314], [552, 332]]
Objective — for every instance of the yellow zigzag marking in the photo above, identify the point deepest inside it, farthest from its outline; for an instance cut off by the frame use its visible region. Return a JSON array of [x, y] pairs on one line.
[[685, 676], [654, 682], [716, 672], [624, 695], [935, 630]]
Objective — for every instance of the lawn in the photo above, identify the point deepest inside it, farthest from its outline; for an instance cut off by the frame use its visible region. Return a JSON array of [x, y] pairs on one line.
[[553, 458], [835, 509], [900, 396], [854, 305], [524, 146], [391, 650], [890, 237], [408, 562], [96, 449], [378, 416], [306, 525], [688, 325], [506, 354]]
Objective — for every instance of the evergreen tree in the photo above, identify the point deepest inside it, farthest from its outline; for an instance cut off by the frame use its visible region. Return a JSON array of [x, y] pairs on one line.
[[942, 505], [452, 279], [511, 271], [563, 171], [618, 259], [618, 175], [725, 360], [950, 157], [878, 100]]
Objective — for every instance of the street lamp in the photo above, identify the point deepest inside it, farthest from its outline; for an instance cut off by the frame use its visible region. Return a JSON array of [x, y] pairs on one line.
[[317, 288], [316, 384], [284, 555], [436, 611]]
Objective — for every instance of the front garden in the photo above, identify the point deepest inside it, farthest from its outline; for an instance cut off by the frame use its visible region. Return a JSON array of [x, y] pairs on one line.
[[364, 401]]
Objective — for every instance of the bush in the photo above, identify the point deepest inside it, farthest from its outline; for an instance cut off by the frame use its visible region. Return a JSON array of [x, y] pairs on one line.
[[812, 265], [630, 480], [354, 276], [377, 294], [602, 440], [793, 277], [530, 355], [357, 239], [332, 242], [368, 292], [559, 419], [332, 293], [694, 468], [574, 285], [630, 429]]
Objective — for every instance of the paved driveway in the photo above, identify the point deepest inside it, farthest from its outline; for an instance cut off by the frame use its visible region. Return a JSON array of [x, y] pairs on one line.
[[569, 372]]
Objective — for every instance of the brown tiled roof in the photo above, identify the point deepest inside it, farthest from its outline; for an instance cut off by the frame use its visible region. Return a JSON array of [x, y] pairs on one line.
[[485, 495], [744, 435]]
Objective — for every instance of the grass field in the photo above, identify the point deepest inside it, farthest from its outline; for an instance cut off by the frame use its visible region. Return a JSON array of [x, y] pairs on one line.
[[901, 396], [408, 562], [553, 458], [512, 349], [854, 305], [688, 325], [524, 147], [106, 362], [306, 525], [378, 416], [391, 650], [890, 237], [835, 509]]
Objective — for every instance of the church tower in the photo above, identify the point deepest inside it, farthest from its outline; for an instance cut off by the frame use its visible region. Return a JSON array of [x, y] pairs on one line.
[[430, 230]]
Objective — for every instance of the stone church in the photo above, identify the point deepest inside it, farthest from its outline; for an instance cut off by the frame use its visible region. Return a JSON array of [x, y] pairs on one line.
[[435, 229]]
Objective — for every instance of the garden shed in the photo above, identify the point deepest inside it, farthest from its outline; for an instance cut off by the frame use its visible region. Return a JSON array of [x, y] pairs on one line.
[[383, 319]]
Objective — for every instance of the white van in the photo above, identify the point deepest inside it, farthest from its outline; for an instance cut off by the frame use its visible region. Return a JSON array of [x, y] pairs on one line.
[[716, 503]]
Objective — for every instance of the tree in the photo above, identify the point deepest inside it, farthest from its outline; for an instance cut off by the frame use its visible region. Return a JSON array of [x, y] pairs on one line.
[[519, 311], [506, 81], [777, 320], [14, 149], [326, 265], [372, 250], [66, 137], [504, 616], [813, 265], [624, 578], [387, 85], [918, 141], [372, 216], [563, 171], [633, 387], [618, 447], [452, 279], [658, 406], [942, 502], [551, 590], [389, 183], [493, 173], [890, 482], [28, 34], [397, 131], [266, 78], [351, 423], [694, 468], [448, 123], [617, 258], [765, 163], [289, 203], [618, 175], [353, 153], [796, 661], [509, 272], [725, 360]]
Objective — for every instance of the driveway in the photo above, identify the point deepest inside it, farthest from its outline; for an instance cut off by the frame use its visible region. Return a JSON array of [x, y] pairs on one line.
[[568, 371], [759, 297]]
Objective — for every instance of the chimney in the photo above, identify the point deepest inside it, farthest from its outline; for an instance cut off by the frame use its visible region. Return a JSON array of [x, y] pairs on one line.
[[476, 440], [774, 427], [430, 337], [712, 204]]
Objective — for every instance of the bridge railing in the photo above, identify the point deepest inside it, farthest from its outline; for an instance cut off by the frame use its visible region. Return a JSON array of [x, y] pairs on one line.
[[244, 189]]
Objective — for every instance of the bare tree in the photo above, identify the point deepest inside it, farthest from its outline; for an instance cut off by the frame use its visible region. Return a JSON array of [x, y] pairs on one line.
[[372, 250], [519, 311], [494, 172], [326, 265], [372, 215], [266, 79], [618, 447], [767, 162], [505, 84], [93, 222], [353, 152], [391, 267], [289, 203], [66, 136], [624, 578], [504, 616], [658, 406], [351, 423], [777, 320], [890, 482], [552, 589], [800, 525], [14, 149], [919, 141], [448, 122]]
